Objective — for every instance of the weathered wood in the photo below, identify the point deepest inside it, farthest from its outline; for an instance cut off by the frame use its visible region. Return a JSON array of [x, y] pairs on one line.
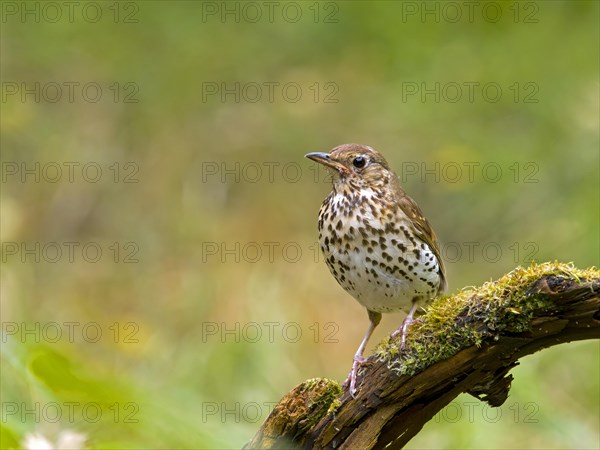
[[557, 304]]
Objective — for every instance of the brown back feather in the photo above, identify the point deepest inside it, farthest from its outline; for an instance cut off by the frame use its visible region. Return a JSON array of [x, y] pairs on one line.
[[422, 228]]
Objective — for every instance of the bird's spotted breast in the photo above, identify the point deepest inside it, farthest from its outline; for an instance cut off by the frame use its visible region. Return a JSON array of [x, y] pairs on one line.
[[374, 253]]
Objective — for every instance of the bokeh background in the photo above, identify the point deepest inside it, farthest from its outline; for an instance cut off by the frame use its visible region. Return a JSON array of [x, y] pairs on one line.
[[209, 294]]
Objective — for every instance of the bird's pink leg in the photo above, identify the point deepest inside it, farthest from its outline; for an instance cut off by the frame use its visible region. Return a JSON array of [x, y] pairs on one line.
[[405, 324], [375, 318]]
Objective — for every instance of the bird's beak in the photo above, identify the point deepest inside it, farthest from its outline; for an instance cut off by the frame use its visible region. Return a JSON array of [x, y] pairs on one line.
[[326, 160]]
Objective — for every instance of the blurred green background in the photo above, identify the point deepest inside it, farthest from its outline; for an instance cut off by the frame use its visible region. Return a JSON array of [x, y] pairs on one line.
[[209, 295]]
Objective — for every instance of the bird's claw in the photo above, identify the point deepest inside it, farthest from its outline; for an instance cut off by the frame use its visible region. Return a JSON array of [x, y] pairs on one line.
[[404, 330], [351, 378]]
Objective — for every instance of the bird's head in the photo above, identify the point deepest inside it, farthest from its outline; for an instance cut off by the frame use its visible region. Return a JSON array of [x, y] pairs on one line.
[[355, 165]]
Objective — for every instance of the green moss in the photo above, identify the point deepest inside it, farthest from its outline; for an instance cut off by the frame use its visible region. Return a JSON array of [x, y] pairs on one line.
[[335, 404], [473, 315], [323, 398]]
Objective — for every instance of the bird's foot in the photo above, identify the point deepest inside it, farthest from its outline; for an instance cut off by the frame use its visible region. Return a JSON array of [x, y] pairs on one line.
[[351, 378], [404, 330]]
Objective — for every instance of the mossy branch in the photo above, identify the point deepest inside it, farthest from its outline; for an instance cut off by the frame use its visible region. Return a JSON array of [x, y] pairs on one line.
[[467, 342]]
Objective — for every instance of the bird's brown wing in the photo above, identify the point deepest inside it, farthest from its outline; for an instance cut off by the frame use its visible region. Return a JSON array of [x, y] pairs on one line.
[[423, 230]]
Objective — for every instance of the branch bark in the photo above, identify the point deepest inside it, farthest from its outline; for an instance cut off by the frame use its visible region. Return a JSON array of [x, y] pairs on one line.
[[497, 324]]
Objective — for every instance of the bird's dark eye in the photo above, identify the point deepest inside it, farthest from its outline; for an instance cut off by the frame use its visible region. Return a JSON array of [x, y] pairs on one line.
[[359, 162]]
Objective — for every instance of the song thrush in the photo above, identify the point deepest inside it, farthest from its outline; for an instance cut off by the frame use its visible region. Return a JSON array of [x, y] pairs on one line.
[[375, 240]]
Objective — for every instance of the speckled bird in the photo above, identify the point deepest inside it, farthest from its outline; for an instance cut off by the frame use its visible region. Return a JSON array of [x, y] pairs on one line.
[[376, 241]]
